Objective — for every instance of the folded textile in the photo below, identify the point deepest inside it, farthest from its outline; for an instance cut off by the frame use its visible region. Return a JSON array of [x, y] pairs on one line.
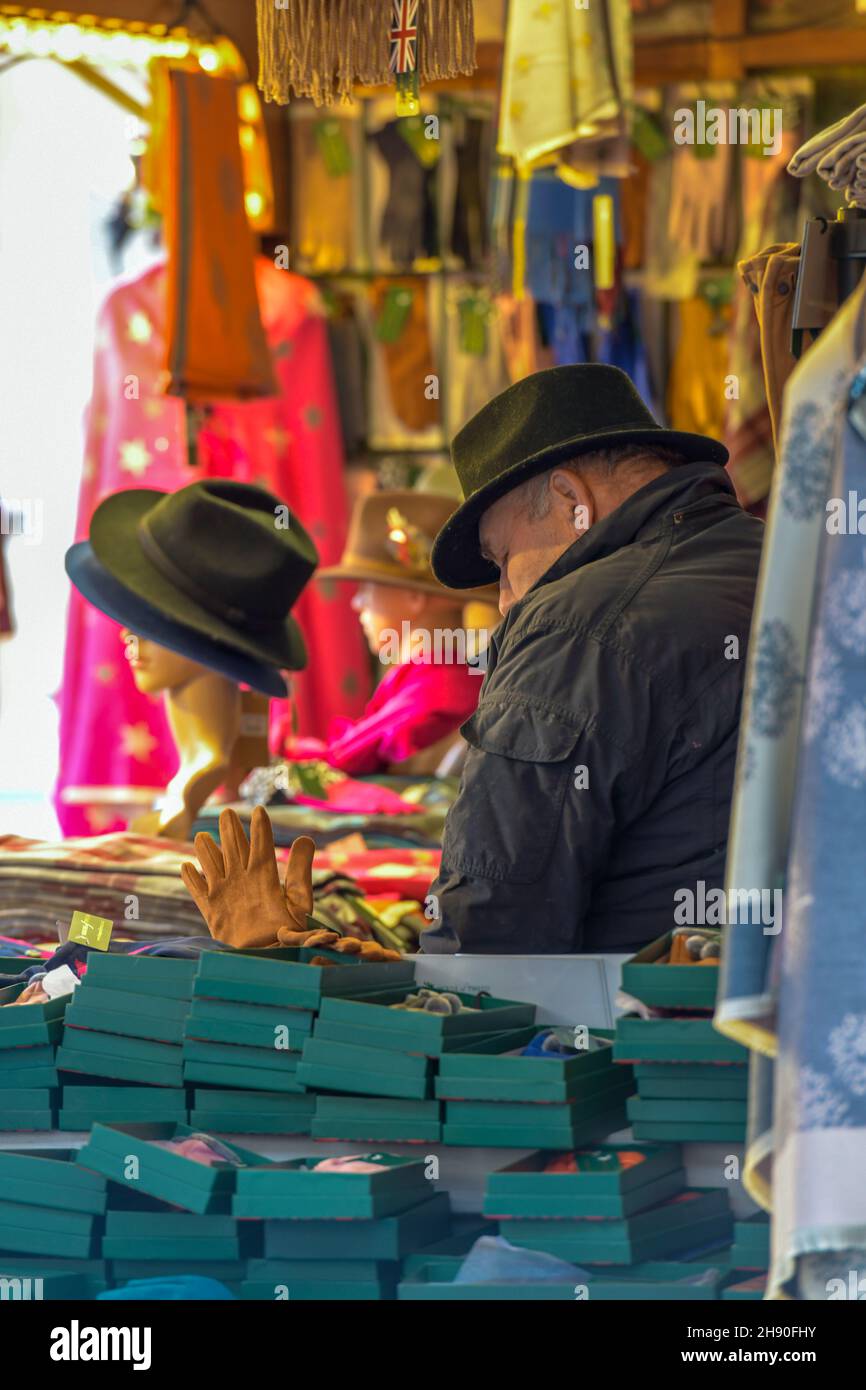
[[494, 1260], [179, 1288]]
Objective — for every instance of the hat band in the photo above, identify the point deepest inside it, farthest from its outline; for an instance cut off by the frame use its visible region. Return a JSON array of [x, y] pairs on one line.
[[391, 568], [190, 587]]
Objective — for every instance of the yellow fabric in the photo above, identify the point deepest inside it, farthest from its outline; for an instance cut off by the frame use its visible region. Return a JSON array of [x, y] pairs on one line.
[[216, 343], [696, 388], [567, 75]]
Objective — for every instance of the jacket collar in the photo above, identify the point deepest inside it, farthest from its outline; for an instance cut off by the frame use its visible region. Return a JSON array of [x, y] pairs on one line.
[[643, 514]]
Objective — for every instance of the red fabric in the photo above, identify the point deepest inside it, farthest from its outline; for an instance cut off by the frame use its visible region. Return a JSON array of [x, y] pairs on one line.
[[413, 707], [406, 873], [110, 734]]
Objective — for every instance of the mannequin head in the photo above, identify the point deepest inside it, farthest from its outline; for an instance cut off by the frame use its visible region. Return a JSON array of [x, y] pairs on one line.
[[384, 608], [155, 668]]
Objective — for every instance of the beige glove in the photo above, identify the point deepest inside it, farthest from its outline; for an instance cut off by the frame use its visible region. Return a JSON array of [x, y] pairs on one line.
[[240, 895]]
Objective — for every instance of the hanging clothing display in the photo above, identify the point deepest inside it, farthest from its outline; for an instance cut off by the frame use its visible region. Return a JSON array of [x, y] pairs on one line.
[[696, 397], [404, 393], [771, 278], [111, 735], [477, 365], [798, 823], [323, 170]]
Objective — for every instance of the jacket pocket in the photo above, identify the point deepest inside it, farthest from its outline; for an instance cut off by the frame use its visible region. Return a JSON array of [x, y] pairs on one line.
[[504, 823]]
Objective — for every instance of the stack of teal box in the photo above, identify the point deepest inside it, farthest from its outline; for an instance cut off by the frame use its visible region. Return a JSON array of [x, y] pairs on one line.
[[250, 1017], [51, 1219], [166, 1212], [749, 1258], [615, 1205], [380, 1062], [537, 1102], [124, 1026], [692, 1082], [28, 1072]]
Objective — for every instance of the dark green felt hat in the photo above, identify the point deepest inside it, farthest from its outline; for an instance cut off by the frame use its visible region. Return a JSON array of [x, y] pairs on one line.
[[545, 419]]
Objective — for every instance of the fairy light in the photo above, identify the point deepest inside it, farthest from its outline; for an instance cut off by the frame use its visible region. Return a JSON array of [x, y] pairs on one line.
[[107, 42]]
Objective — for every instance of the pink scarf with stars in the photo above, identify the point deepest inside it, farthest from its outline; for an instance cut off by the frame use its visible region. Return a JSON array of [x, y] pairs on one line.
[[110, 734]]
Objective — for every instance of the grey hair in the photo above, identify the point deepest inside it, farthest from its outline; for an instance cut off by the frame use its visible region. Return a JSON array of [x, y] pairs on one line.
[[536, 492]]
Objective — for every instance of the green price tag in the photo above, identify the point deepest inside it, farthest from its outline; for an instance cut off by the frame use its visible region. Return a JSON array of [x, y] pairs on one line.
[[88, 930], [648, 136], [414, 131], [334, 147], [474, 313], [394, 315]]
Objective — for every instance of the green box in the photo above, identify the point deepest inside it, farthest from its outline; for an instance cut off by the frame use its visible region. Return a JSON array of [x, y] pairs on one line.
[[650, 1282], [302, 1281], [42, 1078], [252, 1025], [527, 1113], [418, 1031], [750, 1290], [507, 1078], [673, 1040], [83, 1106], [163, 976], [751, 1248], [603, 1187], [378, 1121], [253, 1112], [41, 1230], [63, 1280], [713, 1082], [168, 1176], [242, 1068], [229, 1272], [13, 965], [689, 1111], [250, 978], [679, 1132], [33, 1025], [669, 986], [170, 1236], [294, 1190], [333, 1066], [132, 1015], [127, 1059], [387, 1238], [27, 1108], [692, 1218], [531, 1136], [32, 1180]]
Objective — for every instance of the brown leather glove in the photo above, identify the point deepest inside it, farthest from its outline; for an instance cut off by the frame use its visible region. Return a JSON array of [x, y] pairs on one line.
[[240, 895]]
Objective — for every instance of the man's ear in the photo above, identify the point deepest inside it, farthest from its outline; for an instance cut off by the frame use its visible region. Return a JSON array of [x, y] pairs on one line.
[[574, 497]]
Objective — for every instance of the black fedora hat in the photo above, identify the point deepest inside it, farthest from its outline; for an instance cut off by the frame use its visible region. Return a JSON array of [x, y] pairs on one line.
[[207, 571], [545, 419]]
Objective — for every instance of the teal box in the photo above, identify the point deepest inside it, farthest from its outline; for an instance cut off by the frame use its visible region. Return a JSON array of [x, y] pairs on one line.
[[126, 1059], [364, 1070], [83, 1106], [679, 1132], [669, 986], [229, 1272], [32, 1026], [28, 1078], [242, 1068], [681, 1081], [691, 1219], [260, 978], [252, 1025], [379, 1121], [387, 1238], [294, 1190], [141, 975], [170, 1236], [526, 1114], [132, 1015], [530, 1135], [41, 1230], [25, 1108], [253, 1112], [750, 1290], [158, 1172], [32, 1180], [470, 1077], [673, 1040], [415, 1030], [302, 1281], [606, 1184], [690, 1111], [62, 1280], [651, 1282], [751, 1248]]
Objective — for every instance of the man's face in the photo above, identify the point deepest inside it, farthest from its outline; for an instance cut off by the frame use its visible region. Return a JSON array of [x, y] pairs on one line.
[[522, 547], [382, 608]]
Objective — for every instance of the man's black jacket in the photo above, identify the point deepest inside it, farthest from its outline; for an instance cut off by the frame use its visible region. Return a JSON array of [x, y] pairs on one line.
[[599, 774]]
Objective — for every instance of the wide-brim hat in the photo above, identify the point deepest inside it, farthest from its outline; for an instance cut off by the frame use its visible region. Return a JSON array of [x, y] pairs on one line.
[[213, 568], [549, 417], [390, 540]]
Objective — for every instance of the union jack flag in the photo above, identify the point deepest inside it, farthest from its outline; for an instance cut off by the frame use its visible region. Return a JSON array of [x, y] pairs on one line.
[[404, 36]]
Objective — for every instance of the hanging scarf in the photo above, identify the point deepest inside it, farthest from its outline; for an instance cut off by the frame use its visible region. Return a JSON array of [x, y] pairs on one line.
[[320, 48]]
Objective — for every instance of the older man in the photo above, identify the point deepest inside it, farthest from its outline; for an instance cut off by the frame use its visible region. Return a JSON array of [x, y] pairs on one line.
[[601, 760]]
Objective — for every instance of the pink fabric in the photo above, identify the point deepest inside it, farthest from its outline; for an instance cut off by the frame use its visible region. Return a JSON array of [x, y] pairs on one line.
[[195, 1149], [413, 706], [350, 1164], [110, 734], [362, 798]]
